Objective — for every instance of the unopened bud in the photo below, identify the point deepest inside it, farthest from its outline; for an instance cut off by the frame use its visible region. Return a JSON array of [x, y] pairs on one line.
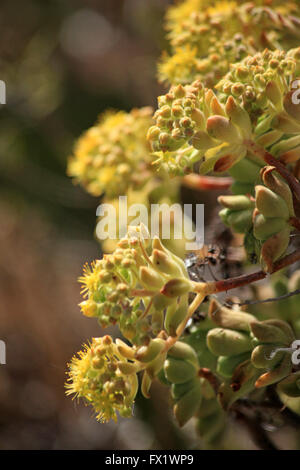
[[149, 352], [222, 129], [176, 287], [178, 371], [270, 204], [150, 278], [224, 342]]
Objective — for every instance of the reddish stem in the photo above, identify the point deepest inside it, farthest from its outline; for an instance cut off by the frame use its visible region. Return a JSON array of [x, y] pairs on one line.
[[195, 181], [295, 222], [234, 282]]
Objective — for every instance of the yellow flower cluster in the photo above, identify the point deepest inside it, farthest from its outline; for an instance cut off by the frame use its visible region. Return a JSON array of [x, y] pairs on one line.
[[207, 36], [113, 155], [98, 377]]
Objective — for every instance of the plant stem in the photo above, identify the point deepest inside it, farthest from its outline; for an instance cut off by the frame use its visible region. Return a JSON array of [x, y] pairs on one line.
[[214, 287], [295, 222], [202, 182], [292, 181]]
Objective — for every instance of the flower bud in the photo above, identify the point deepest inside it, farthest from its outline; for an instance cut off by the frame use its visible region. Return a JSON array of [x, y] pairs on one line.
[[224, 342], [226, 365], [222, 129], [261, 356], [165, 264], [178, 371], [240, 221], [275, 247], [228, 318], [150, 278], [279, 186], [150, 352], [174, 316], [238, 116], [128, 368], [267, 332], [266, 227], [235, 203], [179, 390], [187, 406], [176, 287], [184, 351], [270, 204], [146, 384], [124, 349]]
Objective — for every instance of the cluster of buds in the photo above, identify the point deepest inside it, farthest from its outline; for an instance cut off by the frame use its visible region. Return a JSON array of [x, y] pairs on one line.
[[260, 81], [254, 102], [192, 393], [251, 354], [192, 125], [274, 208], [141, 286], [104, 378], [269, 337], [113, 155], [264, 219], [237, 212], [207, 37]]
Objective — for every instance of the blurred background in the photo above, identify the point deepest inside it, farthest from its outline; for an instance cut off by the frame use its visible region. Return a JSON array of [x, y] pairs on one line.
[[63, 63]]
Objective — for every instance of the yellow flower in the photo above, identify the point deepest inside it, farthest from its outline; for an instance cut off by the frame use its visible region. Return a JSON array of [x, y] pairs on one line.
[[113, 155], [95, 376]]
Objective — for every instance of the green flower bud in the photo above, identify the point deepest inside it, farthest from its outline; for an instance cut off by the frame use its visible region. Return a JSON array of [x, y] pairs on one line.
[[146, 384], [238, 116], [270, 204], [228, 318], [222, 129], [226, 365], [151, 351], [268, 332], [150, 278], [176, 287], [279, 186], [240, 221], [266, 227], [187, 406], [224, 342], [128, 368], [185, 352], [261, 356], [275, 247], [236, 203], [165, 264], [179, 390], [178, 371]]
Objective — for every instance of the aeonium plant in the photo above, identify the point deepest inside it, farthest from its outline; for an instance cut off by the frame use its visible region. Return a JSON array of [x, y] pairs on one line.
[[230, 121]]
